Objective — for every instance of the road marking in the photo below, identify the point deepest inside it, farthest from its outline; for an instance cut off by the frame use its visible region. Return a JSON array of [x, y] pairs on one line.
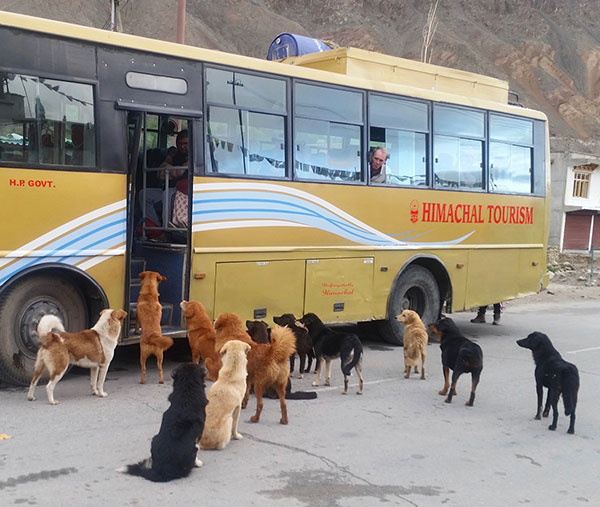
[[582, 350]]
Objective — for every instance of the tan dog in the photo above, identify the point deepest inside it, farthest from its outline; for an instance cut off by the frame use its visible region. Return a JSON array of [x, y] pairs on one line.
[[148, 314], [93, 348], [201, 336], [225, 397], [268, 363], [415, 342]]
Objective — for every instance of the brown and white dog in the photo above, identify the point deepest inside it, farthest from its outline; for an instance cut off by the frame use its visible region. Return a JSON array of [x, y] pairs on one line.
[[415, 342], [148, 314], [92, 348]]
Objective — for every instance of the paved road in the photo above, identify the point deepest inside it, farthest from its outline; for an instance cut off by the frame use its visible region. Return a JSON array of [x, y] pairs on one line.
[[398, 444]]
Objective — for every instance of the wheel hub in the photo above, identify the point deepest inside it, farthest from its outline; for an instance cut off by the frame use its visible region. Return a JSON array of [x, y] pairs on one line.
[[28, 340]]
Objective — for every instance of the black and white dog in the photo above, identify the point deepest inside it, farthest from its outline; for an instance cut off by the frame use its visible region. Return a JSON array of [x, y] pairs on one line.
[[329, 344], [174, 450]]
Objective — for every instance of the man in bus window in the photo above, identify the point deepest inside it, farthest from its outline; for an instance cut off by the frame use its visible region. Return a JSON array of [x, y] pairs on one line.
[[377, 165]]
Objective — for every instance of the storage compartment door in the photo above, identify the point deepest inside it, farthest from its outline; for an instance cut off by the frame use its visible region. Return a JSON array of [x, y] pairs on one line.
[[259, 290], [339, 289]]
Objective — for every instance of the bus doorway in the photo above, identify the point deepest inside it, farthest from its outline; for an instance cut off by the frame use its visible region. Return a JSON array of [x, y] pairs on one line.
[[160, 176]]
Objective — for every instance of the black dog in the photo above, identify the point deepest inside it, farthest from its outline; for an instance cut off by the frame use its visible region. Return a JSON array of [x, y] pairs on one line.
[[174, 449], [460, 355], [329, 344], [304, 346], [553, 372], [259, 332]]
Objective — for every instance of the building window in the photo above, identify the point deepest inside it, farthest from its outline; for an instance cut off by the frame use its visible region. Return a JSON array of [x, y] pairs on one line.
[[581, 183]]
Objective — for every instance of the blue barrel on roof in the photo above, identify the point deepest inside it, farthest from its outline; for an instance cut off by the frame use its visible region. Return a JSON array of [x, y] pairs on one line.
[[289, 44]]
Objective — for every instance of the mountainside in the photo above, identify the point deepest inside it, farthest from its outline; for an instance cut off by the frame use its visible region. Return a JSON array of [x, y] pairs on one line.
[[548, 50]]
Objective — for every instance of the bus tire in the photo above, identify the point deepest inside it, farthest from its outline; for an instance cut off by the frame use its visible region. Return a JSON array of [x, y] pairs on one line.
[[21, 308], [415, 289]]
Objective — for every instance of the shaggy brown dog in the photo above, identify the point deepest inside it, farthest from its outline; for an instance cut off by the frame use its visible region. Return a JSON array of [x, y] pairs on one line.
[[415, 342], [148, 314], [93, 348], [201, 336], [225, 397], [267, 363]]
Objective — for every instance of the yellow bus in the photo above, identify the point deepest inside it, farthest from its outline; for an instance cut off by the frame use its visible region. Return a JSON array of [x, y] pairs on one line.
[[280, 213]]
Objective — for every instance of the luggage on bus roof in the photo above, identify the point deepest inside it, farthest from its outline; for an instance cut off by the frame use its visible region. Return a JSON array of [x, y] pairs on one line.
[[289, 44]]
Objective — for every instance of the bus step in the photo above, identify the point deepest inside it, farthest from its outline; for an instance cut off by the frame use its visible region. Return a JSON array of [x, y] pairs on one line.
[[172, 331], [166, 318]]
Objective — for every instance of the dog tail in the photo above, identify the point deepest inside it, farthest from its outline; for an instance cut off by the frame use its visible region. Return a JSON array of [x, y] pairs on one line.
[[47, 325], [570, 385], [356, 357], [283, 343], [145, 470], [164, 342]]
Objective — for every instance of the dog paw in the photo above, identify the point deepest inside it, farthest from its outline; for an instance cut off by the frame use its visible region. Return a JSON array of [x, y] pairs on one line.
[[344, 392], [447, 400], [54, 402], [552, 427], [254, 419], [237, 436], [469, 404], [359, 392], [102, 394], [300, 375], [545, 413], [315, 383], [570, 431], [283, 421], [443, 392], [327, 382], [31, 398], [198, 463], [537, 417]]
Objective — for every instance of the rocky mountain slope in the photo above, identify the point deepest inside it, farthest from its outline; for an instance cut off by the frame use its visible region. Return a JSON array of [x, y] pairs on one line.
[[548, 50]]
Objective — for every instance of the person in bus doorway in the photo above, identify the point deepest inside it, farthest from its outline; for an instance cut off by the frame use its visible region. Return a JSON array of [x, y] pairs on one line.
[[177, 156], [377, 162], [480, 318]]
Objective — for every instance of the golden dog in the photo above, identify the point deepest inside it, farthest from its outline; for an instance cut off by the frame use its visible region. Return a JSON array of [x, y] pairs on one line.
[[415, 342], [225, 397], [268, 363], [148, 314], [201, 336]]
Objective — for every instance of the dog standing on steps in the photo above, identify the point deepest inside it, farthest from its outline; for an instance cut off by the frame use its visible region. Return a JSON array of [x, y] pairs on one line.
[[330, 345], [553, 372], [173, 449], [148, 314], [460, 355], [93, 348], [201, 337], [415, 342]]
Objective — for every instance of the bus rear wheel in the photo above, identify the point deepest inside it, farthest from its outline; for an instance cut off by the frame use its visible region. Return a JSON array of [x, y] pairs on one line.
[[416, 289], [21, 308]]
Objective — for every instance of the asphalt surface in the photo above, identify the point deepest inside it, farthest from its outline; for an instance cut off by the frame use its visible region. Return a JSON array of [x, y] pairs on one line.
[[398, 444]]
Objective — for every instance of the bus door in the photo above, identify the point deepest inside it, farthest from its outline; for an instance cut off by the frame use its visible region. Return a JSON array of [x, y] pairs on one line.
[[160, 169]]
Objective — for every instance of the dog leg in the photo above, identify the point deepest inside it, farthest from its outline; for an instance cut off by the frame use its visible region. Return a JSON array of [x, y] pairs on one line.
[[547, 406], [292, 363], [407, 368], [103, 370], [423, 359], [159, 365], [319, 365], [94, 380], [234, 426], [37, 373], [52, 384], [302, 364], [571, 429], [258, 392], [452, 390], [281, 393], [474, 382], [328, 363], [539, 389], [247, 394], [553, 395], [446, 372], [358, 369], [143, 359]]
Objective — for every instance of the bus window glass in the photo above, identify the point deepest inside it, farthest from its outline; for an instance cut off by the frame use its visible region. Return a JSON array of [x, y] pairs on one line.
[[401, 127], [510, 168], [398, 113], [458, 163], [246, 91], [503, 128], [327, 150], [245, 143], [328, 104], [458, 122], [46, 121]]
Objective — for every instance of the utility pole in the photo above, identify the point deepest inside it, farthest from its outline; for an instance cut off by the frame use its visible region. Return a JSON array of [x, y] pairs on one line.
[[180, 21], [115, 17]]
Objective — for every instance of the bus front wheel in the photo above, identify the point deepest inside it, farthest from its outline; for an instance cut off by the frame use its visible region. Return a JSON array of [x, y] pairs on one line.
[[21, 308], [415, 289]]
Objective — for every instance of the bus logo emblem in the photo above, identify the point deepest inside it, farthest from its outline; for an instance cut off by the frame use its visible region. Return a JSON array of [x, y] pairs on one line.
[[414, 211]]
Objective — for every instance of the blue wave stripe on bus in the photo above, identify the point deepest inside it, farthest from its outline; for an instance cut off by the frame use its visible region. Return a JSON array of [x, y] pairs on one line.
[[228, 206], [101, 235]]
